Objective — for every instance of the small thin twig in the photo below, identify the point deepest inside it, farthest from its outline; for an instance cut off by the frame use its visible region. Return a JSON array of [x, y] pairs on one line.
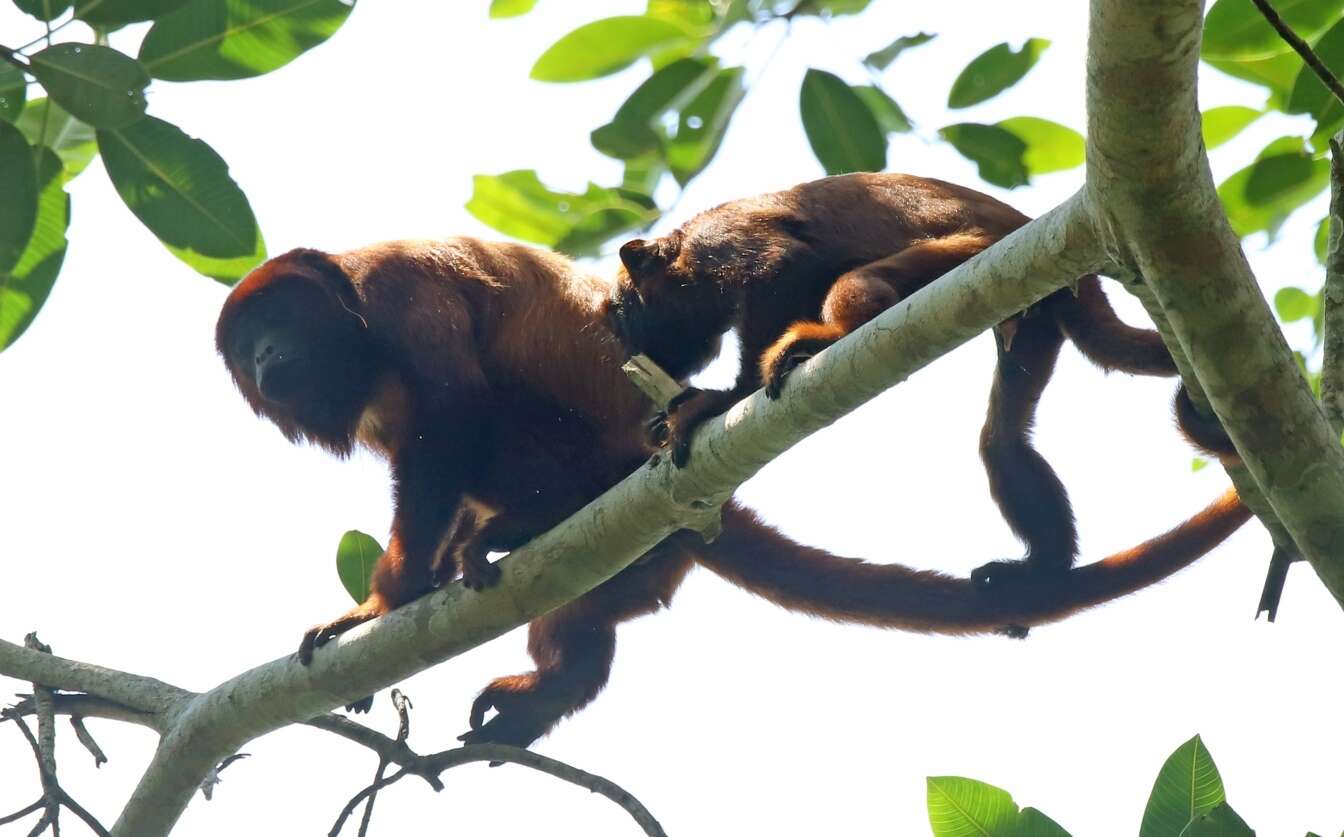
[[1329, 79], [82, 733], [212, 778], [403, 706]]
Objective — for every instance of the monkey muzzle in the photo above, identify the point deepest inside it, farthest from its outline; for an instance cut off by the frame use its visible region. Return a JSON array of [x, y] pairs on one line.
[[624, 315]]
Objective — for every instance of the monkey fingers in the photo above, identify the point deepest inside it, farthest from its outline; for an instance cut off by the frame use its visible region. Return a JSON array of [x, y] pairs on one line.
[[319, 635], [478, 572], [524, 713], [685, 415]]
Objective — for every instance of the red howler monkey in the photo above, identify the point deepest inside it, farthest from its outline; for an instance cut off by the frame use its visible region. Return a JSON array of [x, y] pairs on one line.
[[483, 373], [795, 271]]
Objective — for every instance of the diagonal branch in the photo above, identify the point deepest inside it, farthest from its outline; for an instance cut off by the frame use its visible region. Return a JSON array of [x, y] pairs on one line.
[[1302, 48]]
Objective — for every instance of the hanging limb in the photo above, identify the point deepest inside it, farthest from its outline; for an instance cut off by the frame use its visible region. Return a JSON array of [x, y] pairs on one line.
[[438, 762]]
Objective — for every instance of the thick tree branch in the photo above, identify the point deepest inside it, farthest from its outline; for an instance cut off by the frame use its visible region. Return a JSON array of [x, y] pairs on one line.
[[613, 530], [1332, 295], [1158, 212], [133, 691]]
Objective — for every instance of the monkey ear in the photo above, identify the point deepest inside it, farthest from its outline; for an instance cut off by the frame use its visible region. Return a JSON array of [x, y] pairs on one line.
[[640, 256]]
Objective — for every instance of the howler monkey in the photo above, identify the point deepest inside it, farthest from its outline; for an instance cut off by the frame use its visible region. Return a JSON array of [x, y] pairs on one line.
[[484, 374], [794, 271]]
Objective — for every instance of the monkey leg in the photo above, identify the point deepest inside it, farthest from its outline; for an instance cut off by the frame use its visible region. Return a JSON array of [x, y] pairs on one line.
[[1103, 338], [860, 295], [1203, 431], [1027, 490], [573, 648]]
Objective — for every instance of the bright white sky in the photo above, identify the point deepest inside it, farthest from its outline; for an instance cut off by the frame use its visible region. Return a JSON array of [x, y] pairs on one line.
[[153, 524]]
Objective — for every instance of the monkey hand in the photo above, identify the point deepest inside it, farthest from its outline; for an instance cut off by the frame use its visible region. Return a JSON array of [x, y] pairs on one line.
[[478, 572], [320, 635], [675, 428], [798, 344], [524, 712]]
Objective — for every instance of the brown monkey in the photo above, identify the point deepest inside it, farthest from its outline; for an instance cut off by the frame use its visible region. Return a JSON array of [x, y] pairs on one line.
[[485, 376], [795, 271]]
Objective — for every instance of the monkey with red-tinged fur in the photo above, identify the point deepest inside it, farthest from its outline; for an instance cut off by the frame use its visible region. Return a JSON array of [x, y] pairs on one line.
[[485, 376], [794, 271]]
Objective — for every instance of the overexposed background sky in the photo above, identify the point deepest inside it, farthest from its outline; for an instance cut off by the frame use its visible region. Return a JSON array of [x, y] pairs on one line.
[[151, 523]]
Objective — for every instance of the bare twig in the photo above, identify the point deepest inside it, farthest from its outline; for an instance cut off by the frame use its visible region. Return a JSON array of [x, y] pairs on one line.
[[23, 812], [82, 733], [403, 706], [1329, 79], [212, 778]]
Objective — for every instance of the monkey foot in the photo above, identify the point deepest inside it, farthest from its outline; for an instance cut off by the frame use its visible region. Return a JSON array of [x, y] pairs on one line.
[[319, 635], [782, 360], [523, 712], [675, 427], [478, 575], [1014, 631], [360, 706]]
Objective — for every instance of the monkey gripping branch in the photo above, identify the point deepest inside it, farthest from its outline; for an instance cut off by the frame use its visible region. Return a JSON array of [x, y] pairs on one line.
[[1148, 210]]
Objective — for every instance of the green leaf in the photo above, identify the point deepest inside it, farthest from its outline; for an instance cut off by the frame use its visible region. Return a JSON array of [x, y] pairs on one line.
[[1235, 29], [1222, 821], [702, 124], [1309, 94], [841, 128], [232, 39], [44, 9], [631, 133], [181, 190], [1187, 785], [1262, 195], [998, 153], [95, 83], [1321, 243], [25, 286], [1032, 823], [642, 175], [966, 808], [518, 204], [356, 555], [18, 200], [114, 13], [1050, 146], [834, 8], [1198, 464], [882, 59], [605, 46], [1219, 125], [890, 118], [13, 91], [44, 122], [1293, 304], [510, 8], [1276, 73], [692, 15], [994, 71]]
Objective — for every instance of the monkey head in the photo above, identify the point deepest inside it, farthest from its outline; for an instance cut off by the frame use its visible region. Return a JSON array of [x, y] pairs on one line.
[[662, 306], [292, 335]]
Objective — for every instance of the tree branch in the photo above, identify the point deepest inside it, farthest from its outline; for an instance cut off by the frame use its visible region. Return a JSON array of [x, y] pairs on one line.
[[1150, 188], [1302, 48], [132, 691], [1332, 295]]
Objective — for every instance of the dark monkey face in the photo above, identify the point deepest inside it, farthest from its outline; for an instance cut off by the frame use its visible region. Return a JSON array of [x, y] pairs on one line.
[[278, 343], [664, 309]]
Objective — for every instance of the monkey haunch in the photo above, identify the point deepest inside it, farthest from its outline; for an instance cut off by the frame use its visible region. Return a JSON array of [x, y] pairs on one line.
[[483, 374]]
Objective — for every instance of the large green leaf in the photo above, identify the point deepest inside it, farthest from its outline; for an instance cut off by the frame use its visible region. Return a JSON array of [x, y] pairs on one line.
[[181, 190], [13, 91], [1050, 146], [890, 118], [882, 59], [841, 128], [1262, 195], [606, 46], [44, 9], [702, 124], [113, 13], [231, 39], [994, 71], [44, 122], [1276, 73], [1187, 785], [1321, 242], [966, 808], [356, 555], [1222, 821], [1032, 823], [631, 133], [510, 8], [26, 285], [1236, 30], [18, 200], [1309, 94], [517, 203], [1293, 304], [95, 83], [1221, 124], [998, 153]]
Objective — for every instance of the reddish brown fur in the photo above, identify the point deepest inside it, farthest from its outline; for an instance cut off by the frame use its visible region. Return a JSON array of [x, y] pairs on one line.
[[495, 354], [795, 271]]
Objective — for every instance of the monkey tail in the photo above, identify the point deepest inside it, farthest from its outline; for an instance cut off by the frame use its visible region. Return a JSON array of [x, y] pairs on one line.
[[759, 558], [1108, 341]]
